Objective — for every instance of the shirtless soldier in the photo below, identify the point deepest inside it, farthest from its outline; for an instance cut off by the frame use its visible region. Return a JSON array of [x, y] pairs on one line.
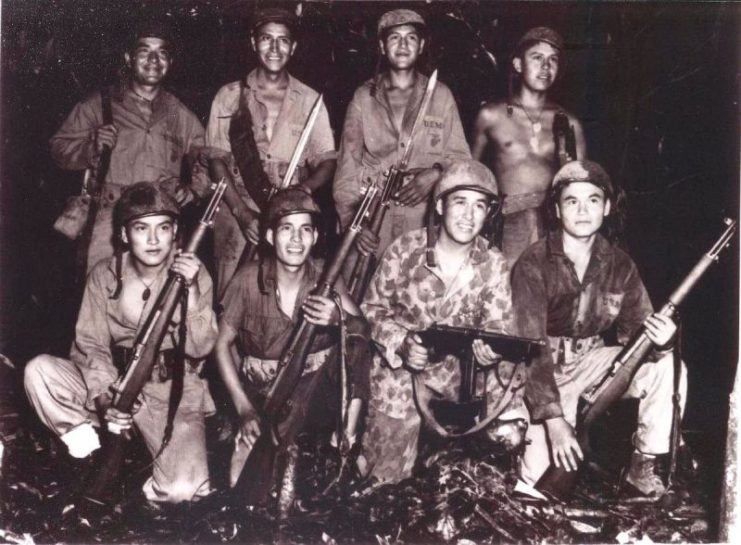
[[520, 133], [279, 105]]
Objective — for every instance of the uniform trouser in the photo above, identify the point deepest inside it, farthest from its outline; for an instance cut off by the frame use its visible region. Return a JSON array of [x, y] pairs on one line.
[[520, 230], [57, 392], [653, 385], [390, 444]]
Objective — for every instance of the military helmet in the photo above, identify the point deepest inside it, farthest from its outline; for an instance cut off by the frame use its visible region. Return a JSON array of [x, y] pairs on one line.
[[582, 171], [466, 174], [292, 200], [145, 199]]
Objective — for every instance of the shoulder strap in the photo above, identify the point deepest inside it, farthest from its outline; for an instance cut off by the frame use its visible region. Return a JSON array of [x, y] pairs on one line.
[[105, 98]]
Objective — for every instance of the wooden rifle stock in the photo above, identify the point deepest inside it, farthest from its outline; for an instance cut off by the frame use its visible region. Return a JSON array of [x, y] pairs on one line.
[[256, 479], [146, 349], [557, 482]]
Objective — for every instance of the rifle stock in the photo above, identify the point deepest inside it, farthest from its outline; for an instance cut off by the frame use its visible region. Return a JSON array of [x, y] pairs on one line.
[[254, 482], [146, 348], [557, 482], [364, 265]]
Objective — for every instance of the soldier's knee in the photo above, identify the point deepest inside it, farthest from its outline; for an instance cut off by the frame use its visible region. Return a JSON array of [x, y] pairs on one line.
[[37, 370], [185, 490]]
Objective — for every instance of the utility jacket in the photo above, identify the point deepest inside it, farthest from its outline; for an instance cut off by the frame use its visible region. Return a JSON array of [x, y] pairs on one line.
[[551, 303], [102, 324]]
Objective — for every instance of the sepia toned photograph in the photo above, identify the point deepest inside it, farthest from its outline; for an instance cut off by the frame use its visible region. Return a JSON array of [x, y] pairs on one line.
[[372, 272]]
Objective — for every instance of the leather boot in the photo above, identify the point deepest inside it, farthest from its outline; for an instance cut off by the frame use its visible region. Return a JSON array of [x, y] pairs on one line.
[[642, 475]]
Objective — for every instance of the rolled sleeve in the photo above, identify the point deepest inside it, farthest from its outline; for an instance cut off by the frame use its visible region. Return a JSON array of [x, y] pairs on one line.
[[224, 105]]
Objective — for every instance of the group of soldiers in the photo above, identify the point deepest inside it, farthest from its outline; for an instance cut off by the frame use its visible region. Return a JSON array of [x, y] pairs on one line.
[[557, 277]]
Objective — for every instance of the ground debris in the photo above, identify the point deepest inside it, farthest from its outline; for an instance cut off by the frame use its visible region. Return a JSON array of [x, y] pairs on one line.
[[457, 496]]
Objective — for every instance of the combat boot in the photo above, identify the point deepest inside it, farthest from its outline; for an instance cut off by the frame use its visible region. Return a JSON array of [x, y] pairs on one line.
[[642, 475]]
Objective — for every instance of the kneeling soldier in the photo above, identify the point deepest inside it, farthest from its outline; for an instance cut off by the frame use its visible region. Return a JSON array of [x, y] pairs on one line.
[[571, 288], [262, 305], [73, 396], [466, 286]]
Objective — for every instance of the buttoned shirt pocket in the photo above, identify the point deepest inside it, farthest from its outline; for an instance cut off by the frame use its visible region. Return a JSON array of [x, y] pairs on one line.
[[610, 304], [433, 134]]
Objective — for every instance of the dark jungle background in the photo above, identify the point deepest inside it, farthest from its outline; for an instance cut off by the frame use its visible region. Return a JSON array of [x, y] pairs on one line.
[[655, 85]]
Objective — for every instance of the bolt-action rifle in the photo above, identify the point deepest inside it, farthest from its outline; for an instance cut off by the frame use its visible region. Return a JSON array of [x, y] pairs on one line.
[[364, 265], [146, 349], [257, 476], [557, 482], [564, 138]]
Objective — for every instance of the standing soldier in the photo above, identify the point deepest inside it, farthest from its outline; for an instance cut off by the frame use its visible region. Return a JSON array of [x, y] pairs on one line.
[[467, 286], [519, 132], [71, 396], [377, 126], [150, 135], [278, 106]]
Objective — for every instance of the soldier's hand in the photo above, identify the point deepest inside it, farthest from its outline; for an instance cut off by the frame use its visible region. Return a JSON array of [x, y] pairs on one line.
[[186, 264], [116, 421], [320, 310], [105, 136], [183, 195], [367, 241], [249, 223], [660, 329], [249, 429], [413, 352], [564, 445], [419, 187], [484, 353]]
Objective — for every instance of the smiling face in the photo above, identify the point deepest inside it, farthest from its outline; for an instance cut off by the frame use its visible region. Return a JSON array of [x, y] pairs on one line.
[[402, 46], [150, 238], [274, 46], [463, 215], [293, 238], [582, 207], [538, 66], [149, 61]]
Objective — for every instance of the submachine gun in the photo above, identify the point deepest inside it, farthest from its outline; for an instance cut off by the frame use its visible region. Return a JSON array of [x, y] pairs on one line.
[[145, 351], [557, 482], [467, 415], [364, 265]]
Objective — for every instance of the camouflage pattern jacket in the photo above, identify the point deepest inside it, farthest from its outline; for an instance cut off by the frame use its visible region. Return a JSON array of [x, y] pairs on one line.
[[406, 295]]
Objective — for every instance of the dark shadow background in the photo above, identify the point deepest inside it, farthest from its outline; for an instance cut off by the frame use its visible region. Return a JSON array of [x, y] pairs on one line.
[[655, 84]]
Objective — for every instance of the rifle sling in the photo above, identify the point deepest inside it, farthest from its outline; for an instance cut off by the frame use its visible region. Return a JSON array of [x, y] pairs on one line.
[[245, 152], [95, 192], [422, 398]]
